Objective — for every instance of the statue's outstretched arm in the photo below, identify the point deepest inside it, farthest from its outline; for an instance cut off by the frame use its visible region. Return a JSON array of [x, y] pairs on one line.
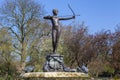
[[73, 17], [47, 17]]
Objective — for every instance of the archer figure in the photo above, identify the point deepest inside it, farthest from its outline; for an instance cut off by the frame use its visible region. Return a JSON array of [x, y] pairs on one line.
[[56, 31]]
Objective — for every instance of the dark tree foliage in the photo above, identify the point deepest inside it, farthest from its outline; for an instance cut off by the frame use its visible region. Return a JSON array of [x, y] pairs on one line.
[[116, 51], [79, 46], [99, 51]]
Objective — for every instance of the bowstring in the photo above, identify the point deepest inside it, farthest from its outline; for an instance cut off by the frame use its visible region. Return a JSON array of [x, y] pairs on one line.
[[73, 22]]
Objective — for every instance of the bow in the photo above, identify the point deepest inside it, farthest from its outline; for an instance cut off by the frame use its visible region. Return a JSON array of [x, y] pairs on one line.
[[72, 10]]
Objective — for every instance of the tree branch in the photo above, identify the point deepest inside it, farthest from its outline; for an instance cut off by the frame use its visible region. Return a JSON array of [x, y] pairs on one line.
[[15, 34]]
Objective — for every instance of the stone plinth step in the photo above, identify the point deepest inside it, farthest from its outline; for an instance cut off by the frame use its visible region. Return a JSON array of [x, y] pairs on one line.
[[54, 75]]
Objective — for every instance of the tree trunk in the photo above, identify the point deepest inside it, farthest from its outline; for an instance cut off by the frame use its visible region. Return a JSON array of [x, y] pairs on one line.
[[23, 57]]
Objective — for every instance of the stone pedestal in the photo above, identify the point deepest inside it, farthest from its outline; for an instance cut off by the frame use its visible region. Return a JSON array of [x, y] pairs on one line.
[[54, 63], [55, 75], [54, 68]]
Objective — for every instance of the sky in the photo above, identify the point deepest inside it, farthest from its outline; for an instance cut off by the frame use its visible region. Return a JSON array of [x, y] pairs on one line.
[[98, 15]]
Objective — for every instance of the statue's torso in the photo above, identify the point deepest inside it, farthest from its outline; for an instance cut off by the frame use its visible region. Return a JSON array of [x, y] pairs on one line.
[[55, 22]]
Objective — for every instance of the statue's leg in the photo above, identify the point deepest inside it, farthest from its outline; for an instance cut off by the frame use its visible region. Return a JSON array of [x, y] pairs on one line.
[[57, 38], [54, 40]]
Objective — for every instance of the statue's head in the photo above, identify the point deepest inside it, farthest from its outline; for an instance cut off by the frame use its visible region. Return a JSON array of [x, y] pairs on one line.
[[55, 11]]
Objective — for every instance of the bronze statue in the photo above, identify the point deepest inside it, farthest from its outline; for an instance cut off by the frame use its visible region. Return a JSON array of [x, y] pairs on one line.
[[56, 30], [54, 62]]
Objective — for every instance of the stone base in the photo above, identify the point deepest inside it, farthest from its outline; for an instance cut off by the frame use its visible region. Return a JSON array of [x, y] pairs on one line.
[[54, 63], [54, 75]]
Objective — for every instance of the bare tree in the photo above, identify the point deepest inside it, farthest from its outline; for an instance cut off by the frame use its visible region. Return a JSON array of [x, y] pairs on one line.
[[23, 18]]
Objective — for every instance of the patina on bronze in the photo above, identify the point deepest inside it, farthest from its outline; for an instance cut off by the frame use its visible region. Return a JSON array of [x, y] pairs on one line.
[[56, 30]]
